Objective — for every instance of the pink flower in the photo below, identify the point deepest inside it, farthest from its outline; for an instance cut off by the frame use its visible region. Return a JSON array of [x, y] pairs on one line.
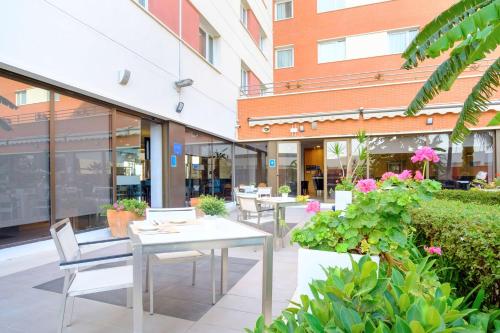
[[313, 207], [433, 250], [406, 174], [425, 154], [418, 175], [366, 185], [388, 175]]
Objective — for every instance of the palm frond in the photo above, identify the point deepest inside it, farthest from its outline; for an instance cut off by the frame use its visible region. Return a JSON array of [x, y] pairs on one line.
[[477, 101], [444, 22], [495, 121]]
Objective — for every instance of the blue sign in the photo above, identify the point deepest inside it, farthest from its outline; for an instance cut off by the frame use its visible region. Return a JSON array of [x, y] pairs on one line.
[[272, 163], [177, 148], [173, 161]]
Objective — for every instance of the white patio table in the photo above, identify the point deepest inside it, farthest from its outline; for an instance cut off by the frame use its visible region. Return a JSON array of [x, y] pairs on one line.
[[279, 204], [208, 234]]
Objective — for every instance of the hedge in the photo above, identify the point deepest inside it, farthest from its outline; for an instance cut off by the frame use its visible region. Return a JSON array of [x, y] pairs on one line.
[[469, 236], [474, 196]]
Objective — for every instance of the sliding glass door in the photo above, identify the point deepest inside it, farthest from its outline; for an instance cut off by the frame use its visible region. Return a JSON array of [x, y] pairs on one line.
[[289, 165]]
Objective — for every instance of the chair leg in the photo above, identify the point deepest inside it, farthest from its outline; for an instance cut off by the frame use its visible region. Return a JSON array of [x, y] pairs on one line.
[[212, 273], [71, 305], [151, 288], [64, 300], [129, 297], [194, 273]]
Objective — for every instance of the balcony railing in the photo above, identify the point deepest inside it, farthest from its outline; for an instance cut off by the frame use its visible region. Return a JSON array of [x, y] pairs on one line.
[[380, 77]]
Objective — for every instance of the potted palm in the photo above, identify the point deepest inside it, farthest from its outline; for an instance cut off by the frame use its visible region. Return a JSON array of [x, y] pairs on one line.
[[284, 190], [212, 207], [122, 212], [351, 171]]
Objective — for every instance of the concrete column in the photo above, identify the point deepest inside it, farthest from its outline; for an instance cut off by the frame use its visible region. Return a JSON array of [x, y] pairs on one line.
[[156, 166]]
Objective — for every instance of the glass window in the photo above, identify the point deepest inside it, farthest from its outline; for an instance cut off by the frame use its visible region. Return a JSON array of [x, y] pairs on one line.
[[24, 165], [244, 81], [83, 161], [284, 9], [335, 163], [399, 40], [244, 15], [206, 45], [262, 41], [222, 169], [284, 57], [328, 5], [143, 3], [250, 163], [288, 154], [332, 50]]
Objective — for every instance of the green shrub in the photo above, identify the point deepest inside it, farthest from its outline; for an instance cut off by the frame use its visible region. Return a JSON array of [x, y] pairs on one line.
[[410, 300], [284, 189], [474, 195], [129, 205], [469, 236], [211, 205]]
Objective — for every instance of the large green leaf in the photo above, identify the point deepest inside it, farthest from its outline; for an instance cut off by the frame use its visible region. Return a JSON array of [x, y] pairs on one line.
[[495, 121]]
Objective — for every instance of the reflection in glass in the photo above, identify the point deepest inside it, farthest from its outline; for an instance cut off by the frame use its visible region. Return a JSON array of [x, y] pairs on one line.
[[83, 161], [250, 163], [222, 169], [287, 165], [335, 164], [198, 163], [24, 162]]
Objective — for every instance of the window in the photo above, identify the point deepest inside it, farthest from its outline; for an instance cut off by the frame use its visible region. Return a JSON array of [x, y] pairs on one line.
[[284, 9], [332, 50], [206, 45], [143, 3], [244, 15], [21, 97], [244, 81], [262, 41], [399, 40], [328, 5], [284, 57]]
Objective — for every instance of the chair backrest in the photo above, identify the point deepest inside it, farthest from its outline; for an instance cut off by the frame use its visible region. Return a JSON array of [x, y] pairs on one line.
[[66, 243], [188, 213], [264, 191], [248, 204]]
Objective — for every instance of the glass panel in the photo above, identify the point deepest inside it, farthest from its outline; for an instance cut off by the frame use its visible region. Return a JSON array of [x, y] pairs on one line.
[[392, 153], [331, 51], [327, 5], [202, 42], [335, 163], [24, 164], [285, 58], [288, 154], [222, 169], [129, 157], [463, 162], [397, 41], [198, 163], [250, 164], [83, 167], [283, 10]]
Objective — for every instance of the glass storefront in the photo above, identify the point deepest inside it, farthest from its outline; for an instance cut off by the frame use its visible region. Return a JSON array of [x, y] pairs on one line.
[[208, 163], [24, 162], [250, 161], [288, 157]]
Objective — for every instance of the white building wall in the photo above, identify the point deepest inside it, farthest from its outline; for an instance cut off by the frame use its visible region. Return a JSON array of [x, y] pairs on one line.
[[82, 44]]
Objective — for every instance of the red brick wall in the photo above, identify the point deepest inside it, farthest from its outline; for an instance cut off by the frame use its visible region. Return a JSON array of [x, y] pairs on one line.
[[190, 24], [167, 11], [253, 27]]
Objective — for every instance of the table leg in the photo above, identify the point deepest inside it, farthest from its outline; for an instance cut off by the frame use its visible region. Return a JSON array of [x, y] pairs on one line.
[[223, 271], [267, 280], [137, 298], [283, 217], [276, 223]]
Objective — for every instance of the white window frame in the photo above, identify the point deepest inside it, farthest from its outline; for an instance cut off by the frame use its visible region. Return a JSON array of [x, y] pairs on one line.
[[262, 40], [244, 15], [284, 48], [146, 4], [407, 38], [276, 10], [209, 56], [18, 99], [245, 79], [329, 41]]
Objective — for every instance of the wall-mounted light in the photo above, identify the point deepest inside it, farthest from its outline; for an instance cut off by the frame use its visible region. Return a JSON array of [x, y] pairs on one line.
[[123, 76], [314, 125], [301, 128], [429, 121], [183, 84], [179, 107], [266, 129]]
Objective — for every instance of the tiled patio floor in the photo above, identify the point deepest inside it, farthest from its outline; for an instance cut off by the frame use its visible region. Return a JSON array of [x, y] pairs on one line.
[[24, 308]]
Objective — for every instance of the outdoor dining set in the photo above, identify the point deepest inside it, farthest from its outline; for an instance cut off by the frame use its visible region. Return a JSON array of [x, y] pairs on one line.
[[167, 236]]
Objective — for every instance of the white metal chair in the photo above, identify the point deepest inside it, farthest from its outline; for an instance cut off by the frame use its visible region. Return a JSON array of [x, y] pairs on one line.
[[253, 212], [78, 282], [165, 214]]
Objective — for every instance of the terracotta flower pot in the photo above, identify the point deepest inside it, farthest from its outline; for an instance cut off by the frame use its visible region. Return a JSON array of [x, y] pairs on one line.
[[118, 221]]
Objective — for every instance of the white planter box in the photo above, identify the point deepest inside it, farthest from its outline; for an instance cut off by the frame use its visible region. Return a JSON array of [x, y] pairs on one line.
[[310, 267], [284, 195], [342, 199]]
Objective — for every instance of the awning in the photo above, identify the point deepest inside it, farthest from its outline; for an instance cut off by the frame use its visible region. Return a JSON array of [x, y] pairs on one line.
[[355, 114]]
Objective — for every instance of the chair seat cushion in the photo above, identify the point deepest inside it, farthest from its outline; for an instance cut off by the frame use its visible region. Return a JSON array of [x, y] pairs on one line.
[[97, 280], [178, 256]]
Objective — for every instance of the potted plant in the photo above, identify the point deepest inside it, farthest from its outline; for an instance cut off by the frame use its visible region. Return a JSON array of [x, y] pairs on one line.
[[122, 212], [351, 171], [377, 223], [212, 206], [284, 190]]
